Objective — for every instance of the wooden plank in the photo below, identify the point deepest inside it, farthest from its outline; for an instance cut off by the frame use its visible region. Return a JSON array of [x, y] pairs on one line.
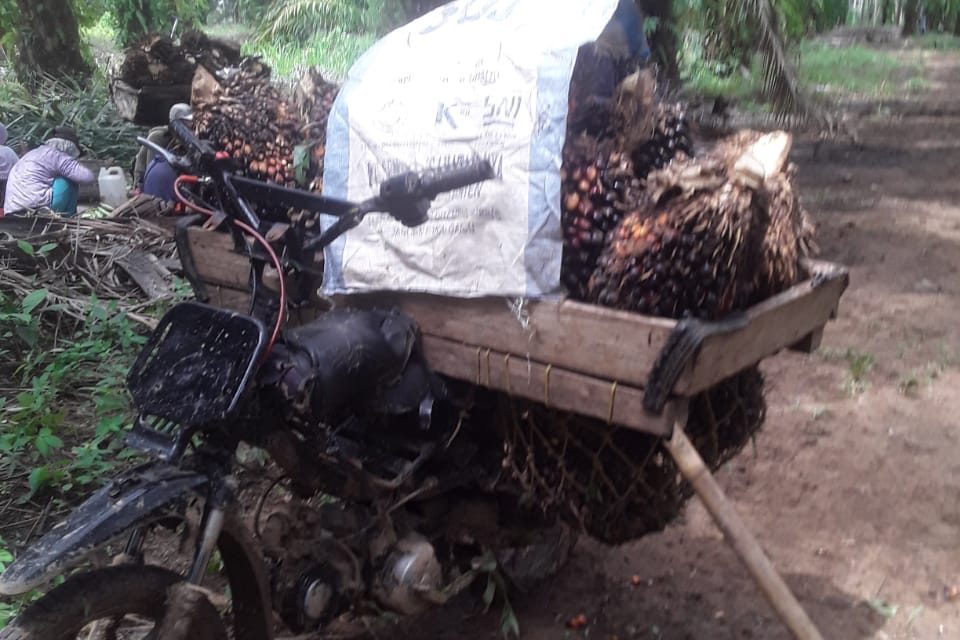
[[554, 387], [216, 261], [617, 345], [809, 343], [145, 269], [774, 324], [601, 342], [232, 299]]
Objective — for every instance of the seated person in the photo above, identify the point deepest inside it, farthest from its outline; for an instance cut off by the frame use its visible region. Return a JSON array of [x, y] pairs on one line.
[[159, 178], [8, 158], [160, 136], [48, 176]]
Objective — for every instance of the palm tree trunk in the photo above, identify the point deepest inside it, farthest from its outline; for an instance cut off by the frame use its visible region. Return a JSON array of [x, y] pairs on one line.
[[49, 41]]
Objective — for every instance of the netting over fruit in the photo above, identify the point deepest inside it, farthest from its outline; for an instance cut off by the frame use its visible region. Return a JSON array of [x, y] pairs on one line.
[[617, 484]]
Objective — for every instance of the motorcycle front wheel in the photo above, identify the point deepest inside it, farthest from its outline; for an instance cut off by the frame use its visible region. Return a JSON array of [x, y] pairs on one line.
[[124, 602]]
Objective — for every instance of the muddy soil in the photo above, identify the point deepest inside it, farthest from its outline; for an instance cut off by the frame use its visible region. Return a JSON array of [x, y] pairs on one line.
[[853, 484]]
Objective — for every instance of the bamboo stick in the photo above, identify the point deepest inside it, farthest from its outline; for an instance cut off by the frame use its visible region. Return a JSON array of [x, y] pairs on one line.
[[739, 537]]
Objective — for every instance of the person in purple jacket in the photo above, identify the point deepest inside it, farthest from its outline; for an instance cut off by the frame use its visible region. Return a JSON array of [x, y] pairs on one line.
[[8, 158], [48, 176]]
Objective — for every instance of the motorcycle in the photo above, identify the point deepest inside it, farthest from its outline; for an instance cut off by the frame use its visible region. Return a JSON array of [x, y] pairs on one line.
[[385, 494]]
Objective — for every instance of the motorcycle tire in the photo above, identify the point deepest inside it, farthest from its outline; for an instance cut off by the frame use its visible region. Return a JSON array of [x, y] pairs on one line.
[[105, 594]]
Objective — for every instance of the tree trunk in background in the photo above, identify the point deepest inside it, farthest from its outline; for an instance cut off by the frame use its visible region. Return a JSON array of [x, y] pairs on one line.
[[910, 17], [956, 25], [886, 14], [663, 41], [49, 41]]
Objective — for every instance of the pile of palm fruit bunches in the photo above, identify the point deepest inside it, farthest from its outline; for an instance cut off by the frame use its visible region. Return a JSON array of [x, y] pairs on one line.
[[270, 135], [650, 226]]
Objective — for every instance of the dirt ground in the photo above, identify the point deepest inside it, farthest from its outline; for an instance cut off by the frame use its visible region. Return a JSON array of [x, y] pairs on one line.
[[853, 486]]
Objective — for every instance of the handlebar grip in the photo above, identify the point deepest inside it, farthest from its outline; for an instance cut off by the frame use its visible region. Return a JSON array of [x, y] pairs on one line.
[[433, 183]]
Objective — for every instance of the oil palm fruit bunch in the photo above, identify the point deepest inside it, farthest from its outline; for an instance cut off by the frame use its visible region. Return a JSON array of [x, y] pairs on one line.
[[670, 136], [598, 184], [718, 233], [254, 122], [315, 96]]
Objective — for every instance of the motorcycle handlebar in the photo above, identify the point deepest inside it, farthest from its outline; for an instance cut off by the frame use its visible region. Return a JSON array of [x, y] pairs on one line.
[[193, 144], [429, 184], [433, 183]]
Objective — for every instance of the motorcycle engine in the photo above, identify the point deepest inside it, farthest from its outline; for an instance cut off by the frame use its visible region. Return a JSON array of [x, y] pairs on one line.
[[314, 578], [409, 572]]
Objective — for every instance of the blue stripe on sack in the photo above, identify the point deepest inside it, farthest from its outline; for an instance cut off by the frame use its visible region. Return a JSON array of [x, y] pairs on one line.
[[336, 171], [545, 231], [336, 165]]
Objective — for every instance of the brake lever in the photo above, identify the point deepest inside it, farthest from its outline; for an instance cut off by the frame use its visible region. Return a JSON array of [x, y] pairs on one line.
[[178, 162]]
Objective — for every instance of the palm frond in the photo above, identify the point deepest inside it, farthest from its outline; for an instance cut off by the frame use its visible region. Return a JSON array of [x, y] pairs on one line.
[[302, 19], [779, 79]]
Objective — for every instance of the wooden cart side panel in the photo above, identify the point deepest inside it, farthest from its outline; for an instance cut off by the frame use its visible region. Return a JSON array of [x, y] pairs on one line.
[[586, 339], [216, 260], [606, 343], [783, 320], [554, 387]]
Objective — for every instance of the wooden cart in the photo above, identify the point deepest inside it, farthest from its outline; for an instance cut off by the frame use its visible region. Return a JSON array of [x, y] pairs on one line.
[[583, 359]]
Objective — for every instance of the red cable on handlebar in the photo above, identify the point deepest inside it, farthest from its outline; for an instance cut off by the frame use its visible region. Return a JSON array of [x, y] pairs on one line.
[[256, 236]]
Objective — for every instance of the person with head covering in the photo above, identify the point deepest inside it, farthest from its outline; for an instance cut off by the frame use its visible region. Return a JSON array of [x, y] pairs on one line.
[[8, 158], [160, 136], [159, 176], [48, 176], [600, 67]]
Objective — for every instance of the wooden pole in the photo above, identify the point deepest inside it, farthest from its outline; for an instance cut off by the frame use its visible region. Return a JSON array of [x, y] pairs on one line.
[[739, 537]]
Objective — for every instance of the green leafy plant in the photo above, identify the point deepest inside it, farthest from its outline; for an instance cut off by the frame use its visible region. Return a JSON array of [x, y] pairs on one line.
[[133, 19], [79, 376], [31, 114], [300, 20], [332, 51], [497, 584]]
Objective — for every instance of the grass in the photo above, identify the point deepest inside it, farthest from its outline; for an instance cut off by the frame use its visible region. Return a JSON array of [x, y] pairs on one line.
[[711, 78], [102, 35], [232, 31], [857, 70], [911, 383], [834, 72], [859, 366], [334, 52], [937, 41]]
